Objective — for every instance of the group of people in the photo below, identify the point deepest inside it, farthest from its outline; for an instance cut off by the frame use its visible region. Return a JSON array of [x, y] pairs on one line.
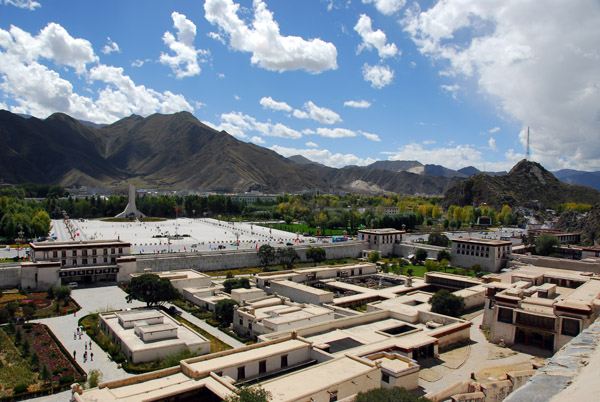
[[87, 345]]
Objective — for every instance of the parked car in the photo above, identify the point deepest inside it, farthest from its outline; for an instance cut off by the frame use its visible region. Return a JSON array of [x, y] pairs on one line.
[[72, 285]]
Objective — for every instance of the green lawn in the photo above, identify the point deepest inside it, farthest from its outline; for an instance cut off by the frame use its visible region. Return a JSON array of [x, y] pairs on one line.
[[307, 229]]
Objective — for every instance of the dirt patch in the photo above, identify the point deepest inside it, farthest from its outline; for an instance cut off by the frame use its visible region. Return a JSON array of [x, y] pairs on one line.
[[455, 358], [429, 375]]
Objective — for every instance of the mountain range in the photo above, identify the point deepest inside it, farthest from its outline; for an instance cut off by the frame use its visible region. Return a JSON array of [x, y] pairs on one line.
[[176, 152], [179, 152]]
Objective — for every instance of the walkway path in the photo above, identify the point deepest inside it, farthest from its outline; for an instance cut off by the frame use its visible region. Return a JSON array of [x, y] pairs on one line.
[[91, 300], [211, 330]]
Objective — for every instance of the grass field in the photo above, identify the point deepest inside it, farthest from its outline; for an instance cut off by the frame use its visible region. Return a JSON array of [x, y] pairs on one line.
[[308, 229]]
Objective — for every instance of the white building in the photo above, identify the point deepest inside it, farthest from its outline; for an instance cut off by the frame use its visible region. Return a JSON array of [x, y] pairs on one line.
[[85, 262], [147, 334], [491, 255]]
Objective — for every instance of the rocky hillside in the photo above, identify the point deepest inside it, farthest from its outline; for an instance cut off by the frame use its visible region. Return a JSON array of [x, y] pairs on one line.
[[570, 221], [175, 152], [527, 184]]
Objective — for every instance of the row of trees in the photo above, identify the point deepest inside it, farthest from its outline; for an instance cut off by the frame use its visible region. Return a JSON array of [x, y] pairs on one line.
[[22, 219]]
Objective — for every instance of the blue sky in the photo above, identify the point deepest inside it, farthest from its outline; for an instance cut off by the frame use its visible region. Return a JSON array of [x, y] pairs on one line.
[[454, 83]]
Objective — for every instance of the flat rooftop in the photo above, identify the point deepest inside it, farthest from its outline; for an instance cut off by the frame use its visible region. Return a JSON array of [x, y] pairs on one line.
[[79, 244], [294, 387], [156, 389], [235, 358]]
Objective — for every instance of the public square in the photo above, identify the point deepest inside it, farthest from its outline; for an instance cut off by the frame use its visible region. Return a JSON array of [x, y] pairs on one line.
[[185, 234]]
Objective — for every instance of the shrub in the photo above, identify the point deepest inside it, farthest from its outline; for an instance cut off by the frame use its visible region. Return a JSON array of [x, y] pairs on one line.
[[19, 389], [65, 380]]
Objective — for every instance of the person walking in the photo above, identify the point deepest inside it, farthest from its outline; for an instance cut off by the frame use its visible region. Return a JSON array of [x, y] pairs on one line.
[[91, 356], [74, 354]]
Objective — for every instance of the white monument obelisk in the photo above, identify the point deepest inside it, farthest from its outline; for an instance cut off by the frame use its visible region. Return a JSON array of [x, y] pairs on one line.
[[131, 212]]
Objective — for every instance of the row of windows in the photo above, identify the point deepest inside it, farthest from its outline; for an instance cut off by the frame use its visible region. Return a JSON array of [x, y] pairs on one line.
[[475, 253], [84, 253], [569, 327], [468, 247], [84, 261]]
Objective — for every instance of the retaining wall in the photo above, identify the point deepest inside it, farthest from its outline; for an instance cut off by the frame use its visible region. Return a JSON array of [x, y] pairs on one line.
[[10, 275], [228, 259]]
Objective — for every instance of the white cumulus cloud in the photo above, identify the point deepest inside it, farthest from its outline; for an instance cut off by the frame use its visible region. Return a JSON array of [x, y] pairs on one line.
[[185, 60], [257, 140], [270, 49], [28, 4], [369, 136], [311, 144], [321, 114], [240, 125], [38, 90], [361, 104], [387, 7], [494, 130], [324, 156], [110, 47], [379, 76], [335, 132], [374, 39], [269, 103], [492, 144], [538, 63]]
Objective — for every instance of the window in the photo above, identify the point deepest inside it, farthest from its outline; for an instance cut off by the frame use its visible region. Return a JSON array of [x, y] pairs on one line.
[[120, 250], [262, 367], [535, 321], [241, 321], [505, 315], [241, 373], [105, 259], [55, 254], [84, 253], [64, 253], [64, 262], [94, 261], [112, 250], [84, 261], [332, 396], [385, 378], [113, 261], [94, 252], [570, 327], [284, 361], [74, 253], [250, 325], [105, 251]]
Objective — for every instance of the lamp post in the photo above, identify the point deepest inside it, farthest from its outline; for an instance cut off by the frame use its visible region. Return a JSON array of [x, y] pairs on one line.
[[19, 241]]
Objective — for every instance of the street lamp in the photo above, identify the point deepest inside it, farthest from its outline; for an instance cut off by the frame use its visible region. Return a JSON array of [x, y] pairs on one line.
[[19, 240]]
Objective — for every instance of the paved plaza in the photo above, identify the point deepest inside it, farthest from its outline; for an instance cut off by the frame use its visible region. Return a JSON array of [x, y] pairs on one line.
[[185, 234]]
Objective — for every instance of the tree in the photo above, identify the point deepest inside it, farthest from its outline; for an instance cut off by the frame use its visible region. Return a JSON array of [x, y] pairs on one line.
[[249, 394], [151, 289], [224, 311], [432, 265], [230, 284], [317, 254], [444, 255], [409, 271], [446, 303], [287, 256], [395, 394], [266, 254], [546, 244], [94, 378], [374, 256], [62, 292], [438, 239], [420, 255]]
